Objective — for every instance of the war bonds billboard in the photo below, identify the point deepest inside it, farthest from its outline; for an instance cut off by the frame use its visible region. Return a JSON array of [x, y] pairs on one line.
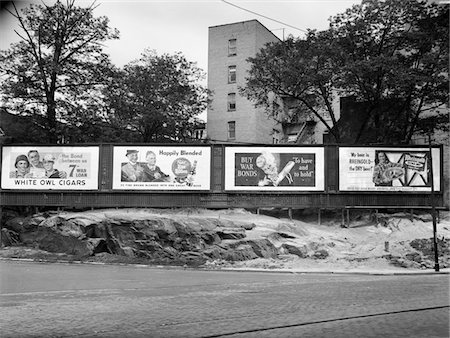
[[274, 168], [161, 167], [389, 169], [50, 168]]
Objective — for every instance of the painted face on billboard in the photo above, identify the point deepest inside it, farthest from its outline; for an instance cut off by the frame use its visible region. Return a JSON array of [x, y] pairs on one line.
[[34, 157], [151, 158]]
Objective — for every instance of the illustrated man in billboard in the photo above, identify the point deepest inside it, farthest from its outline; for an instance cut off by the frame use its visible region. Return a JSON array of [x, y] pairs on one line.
[[37, 168], [131, 171], [385, 171], [268, 164], [153, 173], [22, 167], [50, 170], [36, 165]]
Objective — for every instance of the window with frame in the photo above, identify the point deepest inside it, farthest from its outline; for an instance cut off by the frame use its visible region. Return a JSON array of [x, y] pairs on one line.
[[231, 102], [232, 74], [232, 47], [275, 136], [232, 130]]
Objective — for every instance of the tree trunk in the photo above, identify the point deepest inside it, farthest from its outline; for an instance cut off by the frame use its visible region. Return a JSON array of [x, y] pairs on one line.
[[52, 134]]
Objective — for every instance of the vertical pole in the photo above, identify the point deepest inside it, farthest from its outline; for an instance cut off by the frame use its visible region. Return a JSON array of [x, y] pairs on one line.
[[433, 208], [319, 216], [1, 227], [290, 213], [348, 218]]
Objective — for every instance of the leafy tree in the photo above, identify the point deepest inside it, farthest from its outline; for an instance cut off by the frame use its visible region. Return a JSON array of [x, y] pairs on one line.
[[158, 97], [391, 55], [299, 71], [57, 67]]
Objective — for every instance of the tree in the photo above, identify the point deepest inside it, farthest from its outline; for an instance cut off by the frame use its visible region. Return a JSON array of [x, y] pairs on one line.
[[157, 96], [299, 71], [56, 68], [391, 55]]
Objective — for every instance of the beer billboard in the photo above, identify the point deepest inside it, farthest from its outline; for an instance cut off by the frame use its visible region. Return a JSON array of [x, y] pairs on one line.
[[389, 169]]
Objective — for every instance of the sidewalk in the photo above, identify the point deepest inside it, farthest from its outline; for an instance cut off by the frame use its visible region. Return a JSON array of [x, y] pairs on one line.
[[381, 272]]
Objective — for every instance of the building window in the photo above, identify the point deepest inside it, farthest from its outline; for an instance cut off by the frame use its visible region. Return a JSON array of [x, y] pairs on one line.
[[232, 47], [231, 103], [232, 74], [275, 136], [232, 130]]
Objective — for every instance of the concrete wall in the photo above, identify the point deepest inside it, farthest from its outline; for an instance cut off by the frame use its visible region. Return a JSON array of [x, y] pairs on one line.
[[252, 125]]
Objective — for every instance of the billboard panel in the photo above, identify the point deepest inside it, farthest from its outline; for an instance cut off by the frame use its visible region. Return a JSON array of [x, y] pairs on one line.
[[50, 168], [274, 168], [161, 168], [388, 169]]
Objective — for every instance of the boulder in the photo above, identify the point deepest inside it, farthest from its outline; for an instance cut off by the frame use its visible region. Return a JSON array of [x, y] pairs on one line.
[[301, 252], [231, 233], [47, 239], [320, 254], [241, 252], [16, 224], [9, 237], [259, 247]]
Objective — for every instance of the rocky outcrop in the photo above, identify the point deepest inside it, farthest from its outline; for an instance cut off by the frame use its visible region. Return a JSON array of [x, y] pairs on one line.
[[156, 238]]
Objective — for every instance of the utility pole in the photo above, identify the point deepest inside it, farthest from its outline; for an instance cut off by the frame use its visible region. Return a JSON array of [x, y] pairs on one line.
[[433, 205]]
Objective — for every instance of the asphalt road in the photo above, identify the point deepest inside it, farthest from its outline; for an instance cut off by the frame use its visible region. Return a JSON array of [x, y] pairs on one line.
[[74, 300]]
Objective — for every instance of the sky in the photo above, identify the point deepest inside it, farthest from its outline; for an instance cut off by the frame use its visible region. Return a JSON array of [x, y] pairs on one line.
[[170, 26]]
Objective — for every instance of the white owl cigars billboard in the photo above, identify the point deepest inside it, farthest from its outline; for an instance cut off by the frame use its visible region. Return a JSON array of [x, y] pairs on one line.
[[389, 169], [50, 168], [274, 168], [161, 168]]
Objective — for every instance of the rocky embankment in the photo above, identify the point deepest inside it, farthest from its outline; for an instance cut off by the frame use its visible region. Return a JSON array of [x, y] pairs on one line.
[[217, 238], [150, 236]]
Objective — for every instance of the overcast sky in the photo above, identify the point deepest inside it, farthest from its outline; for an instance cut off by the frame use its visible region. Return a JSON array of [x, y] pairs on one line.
[[170, 26]]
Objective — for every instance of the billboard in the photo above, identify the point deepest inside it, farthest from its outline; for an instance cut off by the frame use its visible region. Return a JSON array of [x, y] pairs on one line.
[[161, 167], [274, 168], [50, 168], [388, 169]]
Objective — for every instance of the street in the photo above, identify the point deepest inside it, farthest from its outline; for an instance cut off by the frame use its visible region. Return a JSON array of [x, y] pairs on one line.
[[81, 300]]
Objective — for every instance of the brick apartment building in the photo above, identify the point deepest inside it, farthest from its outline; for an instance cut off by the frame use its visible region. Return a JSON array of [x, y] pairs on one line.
[[230, 116]]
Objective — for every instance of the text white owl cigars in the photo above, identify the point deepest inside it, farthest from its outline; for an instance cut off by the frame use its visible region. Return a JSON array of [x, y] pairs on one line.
[[50, 167]]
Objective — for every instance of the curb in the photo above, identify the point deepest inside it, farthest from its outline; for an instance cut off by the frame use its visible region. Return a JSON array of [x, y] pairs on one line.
[[295, 272]]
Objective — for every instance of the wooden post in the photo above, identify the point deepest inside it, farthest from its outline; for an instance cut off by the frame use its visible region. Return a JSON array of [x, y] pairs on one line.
[[290, 213], [319, 216], [348, 218]]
